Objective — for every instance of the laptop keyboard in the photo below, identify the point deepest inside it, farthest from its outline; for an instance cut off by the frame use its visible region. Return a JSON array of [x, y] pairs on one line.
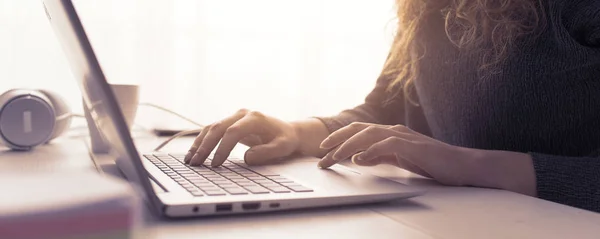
[[232, 178]]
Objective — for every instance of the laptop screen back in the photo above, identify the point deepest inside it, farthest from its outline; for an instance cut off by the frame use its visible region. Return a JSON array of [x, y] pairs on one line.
[[96, 92]]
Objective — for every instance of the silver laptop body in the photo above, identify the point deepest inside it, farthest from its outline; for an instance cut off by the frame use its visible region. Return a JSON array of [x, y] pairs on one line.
[[231, 189]]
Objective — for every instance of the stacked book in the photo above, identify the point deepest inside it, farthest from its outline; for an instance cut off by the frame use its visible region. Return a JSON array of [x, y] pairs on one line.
[[67, 206]]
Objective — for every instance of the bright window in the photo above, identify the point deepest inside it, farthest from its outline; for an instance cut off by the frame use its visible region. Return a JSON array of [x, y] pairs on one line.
[[207, 58]]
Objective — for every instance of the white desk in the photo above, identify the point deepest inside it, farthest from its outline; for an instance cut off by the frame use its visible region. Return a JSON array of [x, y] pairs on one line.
[[444, 212]]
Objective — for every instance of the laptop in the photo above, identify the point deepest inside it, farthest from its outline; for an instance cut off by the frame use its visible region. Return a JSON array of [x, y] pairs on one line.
[[174, 189]]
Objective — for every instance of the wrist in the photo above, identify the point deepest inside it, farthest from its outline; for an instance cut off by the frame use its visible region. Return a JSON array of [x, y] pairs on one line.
[[309, 134], [511, 171], [298, 132]]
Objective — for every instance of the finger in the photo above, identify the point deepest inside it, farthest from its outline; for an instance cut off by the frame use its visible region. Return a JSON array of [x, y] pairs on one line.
[[326, 161], [390, 160], [212, 137], [363, 140], [194, 148], [251, 140], [343, 134], [404, 129], [236, 132], [390, 146], [270, 152]]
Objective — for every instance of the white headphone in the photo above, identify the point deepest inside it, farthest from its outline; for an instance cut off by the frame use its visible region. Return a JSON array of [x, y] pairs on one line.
[[29, 118]]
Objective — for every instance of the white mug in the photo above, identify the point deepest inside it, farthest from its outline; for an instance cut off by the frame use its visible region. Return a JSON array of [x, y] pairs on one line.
[[128, 99]]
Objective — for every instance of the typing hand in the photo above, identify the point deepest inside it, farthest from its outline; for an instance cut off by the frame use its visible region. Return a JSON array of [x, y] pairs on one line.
[[268, 138], [371, 144]]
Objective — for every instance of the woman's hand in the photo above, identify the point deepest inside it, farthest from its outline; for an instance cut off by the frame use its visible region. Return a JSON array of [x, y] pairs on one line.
[[268, 138], [371, 144]]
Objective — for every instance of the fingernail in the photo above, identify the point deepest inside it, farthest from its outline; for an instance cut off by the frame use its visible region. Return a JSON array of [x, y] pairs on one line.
[[188, 157], [195, 159], [216, 161], [336, 156], [325, 143], [356, 158], [322, 164]]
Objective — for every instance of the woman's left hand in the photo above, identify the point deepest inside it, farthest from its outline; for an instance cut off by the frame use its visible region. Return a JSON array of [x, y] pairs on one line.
[[372, 144]]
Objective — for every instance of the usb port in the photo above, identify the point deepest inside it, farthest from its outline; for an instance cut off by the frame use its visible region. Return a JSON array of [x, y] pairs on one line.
[[250, 206], [274, 205], [223, 207]]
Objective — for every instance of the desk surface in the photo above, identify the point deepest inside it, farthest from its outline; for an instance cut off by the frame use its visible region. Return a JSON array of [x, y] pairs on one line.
[[444, 212]]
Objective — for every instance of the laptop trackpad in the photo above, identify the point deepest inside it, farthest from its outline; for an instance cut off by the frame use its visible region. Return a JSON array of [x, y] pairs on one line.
[[338, 177]]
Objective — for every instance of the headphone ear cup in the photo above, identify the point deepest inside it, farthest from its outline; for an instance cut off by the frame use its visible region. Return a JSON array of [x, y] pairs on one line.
[[62, 112], [27, 119]]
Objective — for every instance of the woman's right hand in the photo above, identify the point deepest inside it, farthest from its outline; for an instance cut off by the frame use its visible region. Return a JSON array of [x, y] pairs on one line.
[[268, 138]]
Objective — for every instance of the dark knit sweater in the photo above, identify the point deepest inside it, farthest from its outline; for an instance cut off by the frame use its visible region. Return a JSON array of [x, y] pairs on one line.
[[544, 101]]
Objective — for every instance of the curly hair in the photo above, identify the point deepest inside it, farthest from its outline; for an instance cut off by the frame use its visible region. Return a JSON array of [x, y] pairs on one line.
[[489, 26]]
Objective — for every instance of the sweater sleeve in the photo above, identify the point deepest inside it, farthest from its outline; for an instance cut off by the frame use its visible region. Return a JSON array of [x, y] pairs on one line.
[[573, 181], [377, 108]]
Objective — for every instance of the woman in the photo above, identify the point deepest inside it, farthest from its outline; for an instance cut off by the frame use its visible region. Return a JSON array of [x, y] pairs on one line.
[[489, 93]]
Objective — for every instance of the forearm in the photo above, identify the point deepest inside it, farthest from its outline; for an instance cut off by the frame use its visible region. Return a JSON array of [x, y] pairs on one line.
[[505, 170], [311, 133]]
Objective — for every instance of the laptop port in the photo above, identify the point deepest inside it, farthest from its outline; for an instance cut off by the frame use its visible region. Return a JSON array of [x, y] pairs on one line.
[[250, 206], [223, 208], [274, 205], [195, 209]]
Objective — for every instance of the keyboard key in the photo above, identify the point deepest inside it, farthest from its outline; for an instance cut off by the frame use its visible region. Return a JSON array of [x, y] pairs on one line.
[[262, 180], [197, 194], [287, 184], [300, 189], [215, 193], [236, 160], [243, 180], [255, 177], [202, 184], [196, 177], [236, 191], [269, 184], [264, 172], [279, 189], [179, 157], [248, 184], [208, 187], [220, 169], [219, 180], [181, 167], [257, 189], [230, 186], [224, 183], [201, 169]]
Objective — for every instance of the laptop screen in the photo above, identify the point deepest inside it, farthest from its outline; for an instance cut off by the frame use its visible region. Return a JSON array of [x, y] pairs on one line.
[[96, 92]]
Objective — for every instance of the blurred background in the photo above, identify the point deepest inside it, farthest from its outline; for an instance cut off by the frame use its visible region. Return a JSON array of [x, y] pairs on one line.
[[207, 58]]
